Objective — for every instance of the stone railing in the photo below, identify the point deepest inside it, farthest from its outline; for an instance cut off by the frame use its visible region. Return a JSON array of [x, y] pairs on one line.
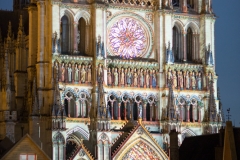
[[140, 3]]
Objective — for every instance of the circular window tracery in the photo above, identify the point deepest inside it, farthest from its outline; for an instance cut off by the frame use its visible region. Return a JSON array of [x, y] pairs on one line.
[[128, 38]]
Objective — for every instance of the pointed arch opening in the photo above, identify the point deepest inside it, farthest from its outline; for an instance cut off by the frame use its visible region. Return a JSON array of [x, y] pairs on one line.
[[65, 34], [82, 36], [176, 42], [189, 44]]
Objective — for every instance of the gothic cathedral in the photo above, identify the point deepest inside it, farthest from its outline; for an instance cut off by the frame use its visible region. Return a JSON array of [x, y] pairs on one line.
[[108, 79]]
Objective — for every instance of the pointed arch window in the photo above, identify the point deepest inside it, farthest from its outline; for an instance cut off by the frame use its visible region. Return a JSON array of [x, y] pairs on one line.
[[190, 47], [65, 34], [176, 42], [82, 36]]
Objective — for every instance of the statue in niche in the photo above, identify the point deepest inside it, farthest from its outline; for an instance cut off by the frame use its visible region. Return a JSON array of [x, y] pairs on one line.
[[63, 72], [76, 76], [122, 77], [193, 81], [154, 79], [115, 74], [129, 77], [174, 78], [139, 111], [147, 78], [181, 80], [69, 73], [169, 55], [141, 77], [187, 80], [135, 78], [89, 74], [56, 70], [199, 81], [109, 77], [100, 71], [209, 57], [55, 41], [100, 48], [83, 74]]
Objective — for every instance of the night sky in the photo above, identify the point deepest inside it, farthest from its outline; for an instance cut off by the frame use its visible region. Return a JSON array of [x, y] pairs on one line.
[[227, 45]]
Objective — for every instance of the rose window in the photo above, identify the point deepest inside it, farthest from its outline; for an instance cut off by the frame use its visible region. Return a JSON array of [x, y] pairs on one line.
[[127, 38]]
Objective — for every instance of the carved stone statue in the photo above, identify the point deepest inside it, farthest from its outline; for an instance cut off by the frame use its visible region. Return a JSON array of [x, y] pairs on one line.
[[154, 79], [141, 78], [180, 80], [89, 74], [122, 80], [147, 78], [63, 72], [109, 77], [169, 55], [209, 57], [100, 71], [135, 79], [199, 81], [129, 77], [115, 77], [174, 78], [76, 76], [69, 73], [193, 81], [187, 80], [83, 74]]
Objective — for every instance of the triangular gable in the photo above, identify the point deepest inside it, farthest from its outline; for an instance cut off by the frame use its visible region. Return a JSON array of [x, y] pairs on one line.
[[25, 145], [140, 145], [83, 154]]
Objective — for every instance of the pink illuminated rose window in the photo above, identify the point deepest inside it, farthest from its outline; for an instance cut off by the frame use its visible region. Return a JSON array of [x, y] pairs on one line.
[[127, 38]]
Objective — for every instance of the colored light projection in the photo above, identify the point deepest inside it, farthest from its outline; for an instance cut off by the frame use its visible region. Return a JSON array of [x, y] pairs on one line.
[[127, 38], [141, 151]]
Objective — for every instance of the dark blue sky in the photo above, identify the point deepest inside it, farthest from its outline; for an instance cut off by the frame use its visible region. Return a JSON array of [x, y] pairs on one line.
[[227, 38]]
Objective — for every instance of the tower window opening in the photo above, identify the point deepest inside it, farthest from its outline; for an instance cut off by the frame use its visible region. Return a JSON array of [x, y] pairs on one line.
[[189, 43]]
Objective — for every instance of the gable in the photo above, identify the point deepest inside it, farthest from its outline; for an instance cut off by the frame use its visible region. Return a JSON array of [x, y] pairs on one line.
[[140, 145], [25, 146]]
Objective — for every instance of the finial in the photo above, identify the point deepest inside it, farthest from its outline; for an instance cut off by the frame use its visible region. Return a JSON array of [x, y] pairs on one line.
[[228, 115], [20, 27], [9, 29]]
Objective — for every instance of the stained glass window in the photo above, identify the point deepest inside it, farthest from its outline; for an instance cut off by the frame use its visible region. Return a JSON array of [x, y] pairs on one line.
[[127, 38]]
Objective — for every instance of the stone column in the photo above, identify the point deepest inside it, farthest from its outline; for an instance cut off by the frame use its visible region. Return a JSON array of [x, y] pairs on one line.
[[83, 109], [144, 111], [193, 116], [119, 109], [188, 115], [112, 110], [157, 114], [181, 113], [199, 114], [76, 108], [151, 112], [125, 110], [69, 107]]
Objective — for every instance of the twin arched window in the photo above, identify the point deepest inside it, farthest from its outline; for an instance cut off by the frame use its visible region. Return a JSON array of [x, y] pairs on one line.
[[185, 45], [73, 36]]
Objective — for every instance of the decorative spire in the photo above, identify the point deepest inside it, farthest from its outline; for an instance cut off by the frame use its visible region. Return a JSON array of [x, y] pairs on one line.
[[20, 26], [9, 30], [212, 113], [170, 106]]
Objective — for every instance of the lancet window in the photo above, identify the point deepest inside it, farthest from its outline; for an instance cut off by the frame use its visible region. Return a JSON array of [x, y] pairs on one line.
[[65, 33], [189, 43], [81, 39], [176, 44], [58, 146]]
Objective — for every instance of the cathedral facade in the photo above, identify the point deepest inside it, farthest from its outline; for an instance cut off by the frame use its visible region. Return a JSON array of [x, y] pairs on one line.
[[109, 79]]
